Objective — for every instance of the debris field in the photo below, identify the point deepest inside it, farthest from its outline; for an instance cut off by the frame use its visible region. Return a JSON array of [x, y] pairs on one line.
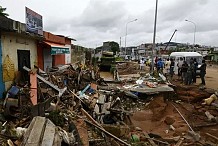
[[70, 105]]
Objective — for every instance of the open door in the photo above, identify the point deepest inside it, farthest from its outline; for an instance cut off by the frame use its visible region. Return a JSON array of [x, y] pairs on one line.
[[23, 60]]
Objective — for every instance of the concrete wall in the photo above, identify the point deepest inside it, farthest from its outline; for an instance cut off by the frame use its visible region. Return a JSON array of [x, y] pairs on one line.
[[2, 85], [11, 43], [68, 56]]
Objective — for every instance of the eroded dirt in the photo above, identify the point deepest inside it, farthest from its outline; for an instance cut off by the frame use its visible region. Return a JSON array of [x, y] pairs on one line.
[[188, 101]]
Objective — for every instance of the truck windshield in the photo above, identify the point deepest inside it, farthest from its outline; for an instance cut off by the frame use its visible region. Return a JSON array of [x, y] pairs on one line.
[[198, 58]]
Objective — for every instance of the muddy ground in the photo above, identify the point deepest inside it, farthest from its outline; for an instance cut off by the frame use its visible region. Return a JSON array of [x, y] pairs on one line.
[[211, 77], [158, 114]]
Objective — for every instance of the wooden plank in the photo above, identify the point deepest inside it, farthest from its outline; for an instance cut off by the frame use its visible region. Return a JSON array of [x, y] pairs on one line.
[[90, 118], [61, 91], [108, 133], [82, 130], [26, 135], [179, 143], [49, 134], [214, 137], [37, 130], [33, 87]]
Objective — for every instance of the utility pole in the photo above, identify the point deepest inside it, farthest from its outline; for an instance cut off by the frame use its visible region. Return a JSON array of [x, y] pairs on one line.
[[120, 42], [154, 37]]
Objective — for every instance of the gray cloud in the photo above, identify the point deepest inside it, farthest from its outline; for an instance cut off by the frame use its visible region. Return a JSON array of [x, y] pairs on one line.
[[93, 21], [177, 10], [102, 13]]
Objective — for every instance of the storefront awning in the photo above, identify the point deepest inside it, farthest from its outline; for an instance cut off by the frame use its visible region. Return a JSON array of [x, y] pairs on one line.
[[58, 48]]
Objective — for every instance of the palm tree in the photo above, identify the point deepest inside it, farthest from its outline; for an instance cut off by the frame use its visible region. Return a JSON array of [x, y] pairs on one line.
[[2, 10]]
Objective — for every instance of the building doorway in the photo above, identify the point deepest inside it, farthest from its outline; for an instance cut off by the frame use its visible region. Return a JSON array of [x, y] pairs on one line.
[[23, 60]]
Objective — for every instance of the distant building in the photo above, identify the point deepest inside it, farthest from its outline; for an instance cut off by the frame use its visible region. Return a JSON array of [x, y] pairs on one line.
[[214, 54], [54, 50]]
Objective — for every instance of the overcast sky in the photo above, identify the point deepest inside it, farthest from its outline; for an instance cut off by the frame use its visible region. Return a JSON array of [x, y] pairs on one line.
[[92, 22]]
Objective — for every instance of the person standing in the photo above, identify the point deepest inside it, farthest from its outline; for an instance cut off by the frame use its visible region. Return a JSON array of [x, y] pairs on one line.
[[180, 62], [172, 64], [195, 70], [184, 72], [190, 72], [167, 66], [142, 64], [160, 65], [203, 72]]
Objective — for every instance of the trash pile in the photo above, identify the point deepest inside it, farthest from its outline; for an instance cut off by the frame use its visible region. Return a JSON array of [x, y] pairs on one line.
[[70, 105]]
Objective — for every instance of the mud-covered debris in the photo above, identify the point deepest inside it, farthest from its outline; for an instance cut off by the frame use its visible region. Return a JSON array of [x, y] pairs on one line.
[[169, 120]]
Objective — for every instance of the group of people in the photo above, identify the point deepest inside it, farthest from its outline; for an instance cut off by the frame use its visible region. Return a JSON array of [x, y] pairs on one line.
[[187, 71]]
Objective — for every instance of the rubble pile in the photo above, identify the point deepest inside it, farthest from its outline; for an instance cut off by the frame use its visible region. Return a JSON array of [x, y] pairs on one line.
[[128, 68], [70, 105]]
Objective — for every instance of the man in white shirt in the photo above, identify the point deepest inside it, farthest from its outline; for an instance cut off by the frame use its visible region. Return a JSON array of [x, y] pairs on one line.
[[142, 64], [180, 62], [167, 66]]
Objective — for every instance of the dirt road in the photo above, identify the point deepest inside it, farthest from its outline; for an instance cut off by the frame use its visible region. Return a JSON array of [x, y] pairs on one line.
[[211, 77]]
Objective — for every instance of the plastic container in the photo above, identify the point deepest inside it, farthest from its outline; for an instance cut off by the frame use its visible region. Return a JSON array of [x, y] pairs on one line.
[[13, 91]]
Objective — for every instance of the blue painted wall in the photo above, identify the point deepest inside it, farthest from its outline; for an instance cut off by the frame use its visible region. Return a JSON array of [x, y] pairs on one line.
[[2, 85]]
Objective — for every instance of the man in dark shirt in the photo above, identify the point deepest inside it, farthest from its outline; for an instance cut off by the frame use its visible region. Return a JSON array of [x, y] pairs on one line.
[[195, 69], [203, 72], [190, 72], [172, 64], [184, 72]]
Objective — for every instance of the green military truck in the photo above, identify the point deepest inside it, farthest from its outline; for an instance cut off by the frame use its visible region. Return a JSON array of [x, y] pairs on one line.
[[108, 61]]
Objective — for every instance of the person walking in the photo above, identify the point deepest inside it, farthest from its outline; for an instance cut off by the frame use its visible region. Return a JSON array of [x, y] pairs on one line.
[[195, 70], [203, 72]]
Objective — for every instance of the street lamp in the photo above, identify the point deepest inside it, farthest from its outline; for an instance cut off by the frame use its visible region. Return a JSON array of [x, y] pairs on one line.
[[126, 31], [194, 31], [154, 36]]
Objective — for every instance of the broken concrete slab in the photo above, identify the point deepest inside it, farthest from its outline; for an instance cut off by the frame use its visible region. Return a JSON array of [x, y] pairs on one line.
[[41, 131], [148, 90]]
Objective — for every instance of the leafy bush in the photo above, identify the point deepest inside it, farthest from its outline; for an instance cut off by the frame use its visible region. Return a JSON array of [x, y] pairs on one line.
[[119, 59]]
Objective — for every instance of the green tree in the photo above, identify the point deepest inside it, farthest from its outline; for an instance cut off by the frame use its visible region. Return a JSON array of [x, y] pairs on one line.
[[2, 11], [114, 47]]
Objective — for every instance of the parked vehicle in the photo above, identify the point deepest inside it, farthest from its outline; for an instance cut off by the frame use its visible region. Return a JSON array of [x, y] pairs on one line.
[[107, 61], [187, 57]]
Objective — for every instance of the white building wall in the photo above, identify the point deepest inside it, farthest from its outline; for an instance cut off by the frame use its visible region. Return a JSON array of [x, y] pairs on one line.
[[11, 43], [68, 56]]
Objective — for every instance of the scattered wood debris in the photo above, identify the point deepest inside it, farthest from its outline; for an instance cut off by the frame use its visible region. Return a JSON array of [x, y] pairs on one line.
[[70, 105]]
